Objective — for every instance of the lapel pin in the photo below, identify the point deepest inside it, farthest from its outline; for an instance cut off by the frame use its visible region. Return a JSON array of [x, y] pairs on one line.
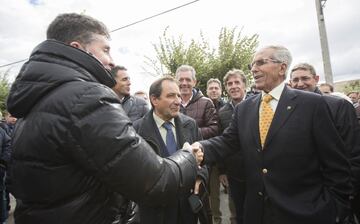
[[288, 108]]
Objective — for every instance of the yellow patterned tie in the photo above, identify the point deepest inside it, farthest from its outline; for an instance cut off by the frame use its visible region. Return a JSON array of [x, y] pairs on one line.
[[266, 117]]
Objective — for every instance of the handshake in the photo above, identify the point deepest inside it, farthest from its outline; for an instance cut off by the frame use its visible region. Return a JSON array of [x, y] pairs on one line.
[[196, 150]]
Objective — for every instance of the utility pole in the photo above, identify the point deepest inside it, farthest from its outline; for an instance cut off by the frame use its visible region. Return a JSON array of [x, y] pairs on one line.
[[324, 42]]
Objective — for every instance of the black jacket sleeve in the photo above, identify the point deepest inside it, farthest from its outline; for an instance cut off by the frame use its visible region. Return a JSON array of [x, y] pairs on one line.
[[109, 147]]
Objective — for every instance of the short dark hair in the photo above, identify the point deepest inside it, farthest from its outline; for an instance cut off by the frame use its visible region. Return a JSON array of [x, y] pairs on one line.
[[115, 70], [212, 80], [331, 87], [304, 67], [156, 87], [70, 27]]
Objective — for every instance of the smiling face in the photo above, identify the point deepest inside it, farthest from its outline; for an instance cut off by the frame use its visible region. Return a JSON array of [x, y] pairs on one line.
[[122, 87], [267, 71], [186, 82], [303, 80], [167, 105], [235, 87]]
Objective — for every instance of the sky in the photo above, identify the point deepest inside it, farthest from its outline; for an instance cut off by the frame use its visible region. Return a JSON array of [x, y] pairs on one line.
[[291, 23]]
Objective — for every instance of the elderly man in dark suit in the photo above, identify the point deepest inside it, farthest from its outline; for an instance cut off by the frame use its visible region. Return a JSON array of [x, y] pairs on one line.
[[166, 130], [295, 165]]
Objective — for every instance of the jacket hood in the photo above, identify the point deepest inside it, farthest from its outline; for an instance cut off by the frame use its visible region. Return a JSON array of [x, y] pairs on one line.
[[51, 64], [197, 94]]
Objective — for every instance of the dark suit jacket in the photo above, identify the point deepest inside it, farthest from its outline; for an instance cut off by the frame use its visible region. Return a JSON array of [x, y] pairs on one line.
[[302, 169], [232, 165], [344, 117], [186, 131]]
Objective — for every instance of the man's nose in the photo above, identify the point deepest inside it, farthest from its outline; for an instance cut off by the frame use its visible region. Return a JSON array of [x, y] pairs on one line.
[[300, 83], [183, 82], [111, 63], [253, 69], [178, 100]]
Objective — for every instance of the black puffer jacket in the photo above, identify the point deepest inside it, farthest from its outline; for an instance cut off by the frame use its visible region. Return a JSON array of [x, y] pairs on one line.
[[74, 149], [134, 107]]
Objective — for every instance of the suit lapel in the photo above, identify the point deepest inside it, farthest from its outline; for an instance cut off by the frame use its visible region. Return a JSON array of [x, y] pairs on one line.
[[283, 111], [179, 132], [254, 119], [153, 137]]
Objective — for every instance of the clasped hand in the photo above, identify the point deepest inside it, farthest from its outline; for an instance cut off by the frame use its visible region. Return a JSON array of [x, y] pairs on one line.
[[196, 150]]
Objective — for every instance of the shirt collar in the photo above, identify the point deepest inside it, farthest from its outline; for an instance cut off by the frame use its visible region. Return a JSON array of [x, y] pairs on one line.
[[276, 92], [186, 103], [159, 122]]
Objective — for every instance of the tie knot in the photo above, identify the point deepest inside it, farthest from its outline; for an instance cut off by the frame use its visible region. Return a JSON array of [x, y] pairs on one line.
[[267, 98], [167, 125]]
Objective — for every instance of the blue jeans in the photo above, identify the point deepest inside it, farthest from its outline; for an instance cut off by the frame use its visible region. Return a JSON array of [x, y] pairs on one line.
[[237, 193]]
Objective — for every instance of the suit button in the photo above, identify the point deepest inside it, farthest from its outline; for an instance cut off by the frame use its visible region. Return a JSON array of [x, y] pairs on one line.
[[260, 193], [258, 150], [264, 171]]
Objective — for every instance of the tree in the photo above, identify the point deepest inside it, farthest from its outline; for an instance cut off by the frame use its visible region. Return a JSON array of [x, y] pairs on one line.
[[234, 51], [4, 89], [352, 86], [171, 53]]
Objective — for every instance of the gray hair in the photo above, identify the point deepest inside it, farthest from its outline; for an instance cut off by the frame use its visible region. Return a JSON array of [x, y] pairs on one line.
[[185, 68], [281, 54]]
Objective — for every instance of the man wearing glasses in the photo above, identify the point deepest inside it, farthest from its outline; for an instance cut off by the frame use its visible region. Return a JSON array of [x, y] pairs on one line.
[[295, 167]]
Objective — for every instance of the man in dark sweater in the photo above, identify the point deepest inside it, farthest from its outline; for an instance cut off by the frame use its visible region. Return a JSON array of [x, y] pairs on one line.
[[232, 169], [134, 107]]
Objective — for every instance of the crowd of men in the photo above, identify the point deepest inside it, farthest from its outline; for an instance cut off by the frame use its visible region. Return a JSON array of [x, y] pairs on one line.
[[85, 150], [7, 126]]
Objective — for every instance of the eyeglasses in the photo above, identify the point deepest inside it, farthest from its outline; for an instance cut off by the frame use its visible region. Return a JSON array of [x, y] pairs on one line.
[[263, 61], [303, 79]]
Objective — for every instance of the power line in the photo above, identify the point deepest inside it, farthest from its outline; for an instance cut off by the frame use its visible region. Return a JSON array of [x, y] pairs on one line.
[[150, 17], [12, 63], [131, 24]]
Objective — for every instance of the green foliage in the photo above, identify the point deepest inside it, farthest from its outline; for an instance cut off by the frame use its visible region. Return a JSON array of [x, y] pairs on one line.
[[234, 51], [353, 86], [4, 89]]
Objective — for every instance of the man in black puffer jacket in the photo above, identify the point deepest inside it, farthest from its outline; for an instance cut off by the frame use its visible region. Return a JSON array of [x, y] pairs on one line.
[[75, 152]]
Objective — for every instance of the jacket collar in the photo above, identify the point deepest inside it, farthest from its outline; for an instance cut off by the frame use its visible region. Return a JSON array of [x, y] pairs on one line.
[[79, 57]]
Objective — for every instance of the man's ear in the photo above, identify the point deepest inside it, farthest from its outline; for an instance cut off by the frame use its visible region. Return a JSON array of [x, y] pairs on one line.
[[153, 100], [76, 44], [283, 68], [316, 77]]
